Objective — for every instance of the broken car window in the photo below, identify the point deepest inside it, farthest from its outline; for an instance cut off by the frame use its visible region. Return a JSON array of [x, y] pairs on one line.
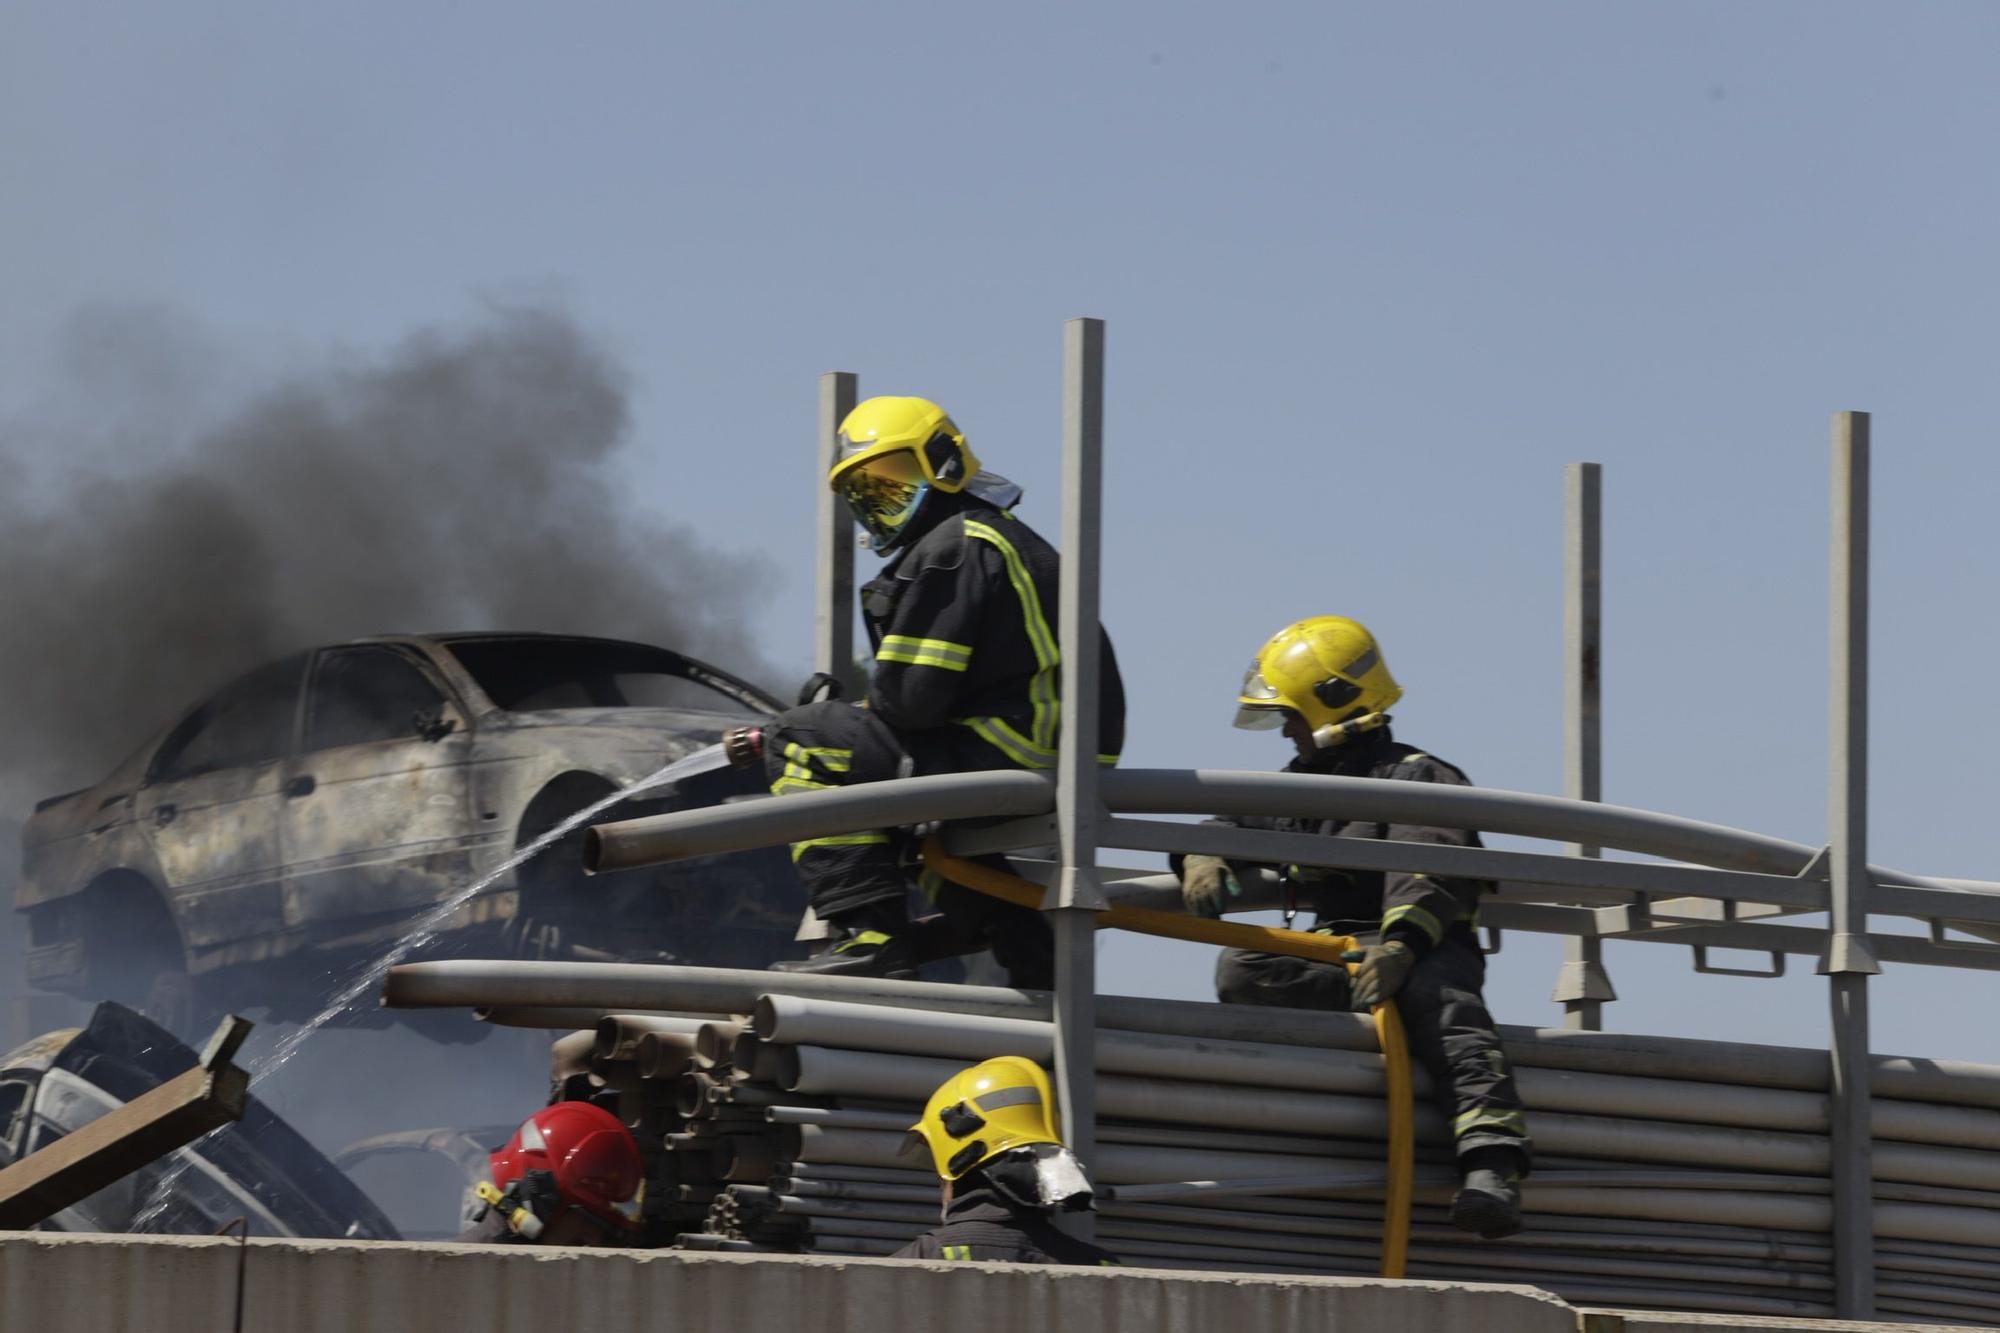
[[360, 695], [13, 1101], [532, 675], [249, 721]]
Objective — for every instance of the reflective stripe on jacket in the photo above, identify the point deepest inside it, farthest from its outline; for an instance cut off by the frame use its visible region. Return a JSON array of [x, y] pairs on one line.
[[1418, 909], [963, 625]]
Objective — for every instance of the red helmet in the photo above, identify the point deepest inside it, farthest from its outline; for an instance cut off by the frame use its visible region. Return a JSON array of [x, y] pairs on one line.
[[571, 1154]]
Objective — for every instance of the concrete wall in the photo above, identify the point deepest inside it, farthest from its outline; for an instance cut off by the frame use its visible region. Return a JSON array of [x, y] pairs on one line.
[[179, 1284], [1616, 1321]]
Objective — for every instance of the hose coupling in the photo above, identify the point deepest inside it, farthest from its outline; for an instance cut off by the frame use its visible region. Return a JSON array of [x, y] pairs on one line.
[[743, 746]]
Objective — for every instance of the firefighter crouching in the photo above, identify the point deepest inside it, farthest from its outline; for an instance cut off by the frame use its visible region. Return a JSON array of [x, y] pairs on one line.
[[1324, 682], [571, 1175], [962, 621], [990, 1132]]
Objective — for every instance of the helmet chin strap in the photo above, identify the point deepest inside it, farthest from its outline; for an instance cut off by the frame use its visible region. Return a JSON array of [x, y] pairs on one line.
[[1337, 733]]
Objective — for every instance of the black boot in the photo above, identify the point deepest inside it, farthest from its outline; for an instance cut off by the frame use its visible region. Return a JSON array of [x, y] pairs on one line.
[[1488, 1203], [876, 941]]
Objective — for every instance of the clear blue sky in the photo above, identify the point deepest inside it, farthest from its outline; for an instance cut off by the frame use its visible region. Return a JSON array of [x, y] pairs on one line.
[[1372, 273]]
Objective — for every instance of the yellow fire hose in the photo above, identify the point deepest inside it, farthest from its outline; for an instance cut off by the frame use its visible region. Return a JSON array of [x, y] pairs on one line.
[[1268, 939]]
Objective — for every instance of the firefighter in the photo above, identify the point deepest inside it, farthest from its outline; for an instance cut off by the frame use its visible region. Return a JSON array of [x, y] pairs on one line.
[[1323, 681], [571, 1175], [990, 1131], [962, 621]]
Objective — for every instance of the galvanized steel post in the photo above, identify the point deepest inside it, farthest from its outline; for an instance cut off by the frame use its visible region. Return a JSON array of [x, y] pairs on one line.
[[1584, 985], [1849, 961], [833, 569], [1075, 898], [833, 580]]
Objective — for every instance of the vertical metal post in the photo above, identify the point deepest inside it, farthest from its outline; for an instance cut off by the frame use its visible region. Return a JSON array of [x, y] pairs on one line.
[[833, 569], [1849, 961], [833, 581], [1584, 985], [1075, 898]]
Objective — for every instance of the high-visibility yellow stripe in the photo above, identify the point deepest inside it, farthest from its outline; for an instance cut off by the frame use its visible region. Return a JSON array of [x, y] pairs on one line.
[[799, 774], [838, 840], [1467, 1121], [996, 733], [1418, 916], [834, 758], [1042, 687], [958, 1252], [924, 652]]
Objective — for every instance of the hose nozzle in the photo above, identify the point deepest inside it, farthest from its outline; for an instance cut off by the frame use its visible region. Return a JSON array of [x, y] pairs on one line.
[[743, 746]]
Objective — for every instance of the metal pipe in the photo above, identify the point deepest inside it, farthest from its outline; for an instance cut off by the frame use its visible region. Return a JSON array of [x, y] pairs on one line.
[[838, 1189], [664, 1055], [571, 1054], [1076, 897], [618, 1034], [715, 1043], [880, 1028], [833, 567], [836, 1118], [569, 1019], [1848, 963], [657, 839], [866, 1073], [639, 986], [1584, 985]]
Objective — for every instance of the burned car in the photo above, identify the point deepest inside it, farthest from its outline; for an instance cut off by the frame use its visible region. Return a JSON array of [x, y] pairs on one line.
[[258, 1168], [300, 819]]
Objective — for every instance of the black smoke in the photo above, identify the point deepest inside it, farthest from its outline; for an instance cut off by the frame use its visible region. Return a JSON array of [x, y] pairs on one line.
[[174, 512], [164, 527]]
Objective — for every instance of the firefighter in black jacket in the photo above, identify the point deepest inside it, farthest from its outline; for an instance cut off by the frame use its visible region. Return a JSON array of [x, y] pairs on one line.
[[962, 621], [991, 1134], [1324, 682]]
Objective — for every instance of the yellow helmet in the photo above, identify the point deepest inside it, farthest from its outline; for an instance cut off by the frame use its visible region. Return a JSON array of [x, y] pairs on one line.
[[893, 453], [984, 1111], [1327, 669]]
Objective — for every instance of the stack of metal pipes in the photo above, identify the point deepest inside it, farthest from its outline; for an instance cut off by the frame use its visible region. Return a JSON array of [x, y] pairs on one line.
[[637, 1057], [1669, 1173]]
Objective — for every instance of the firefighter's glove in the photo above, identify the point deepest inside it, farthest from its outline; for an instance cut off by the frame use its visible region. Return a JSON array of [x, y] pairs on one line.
[[1382, 970], [1208, 886]]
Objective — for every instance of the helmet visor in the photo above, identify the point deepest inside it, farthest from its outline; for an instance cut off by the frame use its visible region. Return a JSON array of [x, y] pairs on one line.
[[883, 493], [1260, 708]]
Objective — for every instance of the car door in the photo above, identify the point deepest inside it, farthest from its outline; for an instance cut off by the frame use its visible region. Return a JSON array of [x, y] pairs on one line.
[[210, 807], [377, 813]]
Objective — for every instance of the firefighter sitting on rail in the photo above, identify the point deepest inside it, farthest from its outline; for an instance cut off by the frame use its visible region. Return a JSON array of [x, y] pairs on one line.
[[962, 620], [1324, 682], [990, 1131]]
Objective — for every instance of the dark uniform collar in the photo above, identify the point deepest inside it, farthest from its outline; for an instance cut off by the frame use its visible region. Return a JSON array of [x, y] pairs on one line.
[[980, 1204], [939, 506], [1356, 756]]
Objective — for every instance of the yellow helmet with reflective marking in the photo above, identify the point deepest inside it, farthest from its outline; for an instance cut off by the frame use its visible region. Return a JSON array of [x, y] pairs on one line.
[[1328, 669], [893, 453], [984, 1111]]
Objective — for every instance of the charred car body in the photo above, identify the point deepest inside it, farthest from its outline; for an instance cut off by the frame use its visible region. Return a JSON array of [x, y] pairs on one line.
[[297, 821], [257, 1168]]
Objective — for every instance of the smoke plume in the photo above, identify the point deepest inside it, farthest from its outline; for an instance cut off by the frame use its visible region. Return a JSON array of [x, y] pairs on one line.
[[171, 519], [198, 526]]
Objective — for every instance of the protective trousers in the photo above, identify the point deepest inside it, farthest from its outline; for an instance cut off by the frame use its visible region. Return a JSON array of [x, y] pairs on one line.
[[835, 744], [1451, 1033]]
